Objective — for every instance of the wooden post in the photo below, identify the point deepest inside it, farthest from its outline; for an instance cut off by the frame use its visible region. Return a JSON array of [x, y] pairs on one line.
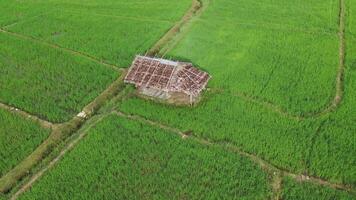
[[191, 99]]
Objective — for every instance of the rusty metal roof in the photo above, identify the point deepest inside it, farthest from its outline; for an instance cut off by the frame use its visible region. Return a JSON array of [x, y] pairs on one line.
[[166, 75]]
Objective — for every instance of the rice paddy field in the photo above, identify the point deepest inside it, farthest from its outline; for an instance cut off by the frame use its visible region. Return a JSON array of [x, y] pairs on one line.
[[18, 138], [277, 120], [142, 162]]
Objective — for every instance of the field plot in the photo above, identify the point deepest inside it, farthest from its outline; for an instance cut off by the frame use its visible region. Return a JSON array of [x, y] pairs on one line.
[[335, 143], [48, 82], [292, 68], [293, 190], [116, 37], [18, 138], [14, 11], [123, 159]]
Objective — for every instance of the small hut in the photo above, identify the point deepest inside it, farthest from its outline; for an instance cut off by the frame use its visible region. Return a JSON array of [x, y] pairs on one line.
[[174, 82]]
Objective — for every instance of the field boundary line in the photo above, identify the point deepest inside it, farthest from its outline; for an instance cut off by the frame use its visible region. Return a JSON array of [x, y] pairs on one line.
[[264, 164], [184, 29], [195, 8], [23, 21], [277, 184], [59, 132], [44, 123], [70, 51]]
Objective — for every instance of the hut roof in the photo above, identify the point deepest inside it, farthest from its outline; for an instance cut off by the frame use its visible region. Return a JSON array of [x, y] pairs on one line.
[[167, 75]]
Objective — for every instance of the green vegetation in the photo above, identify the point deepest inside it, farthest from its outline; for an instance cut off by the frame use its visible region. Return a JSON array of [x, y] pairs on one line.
[[274, 97], [96, 29], [284, 66], [48, 82], [18, 138], [123, 159], [293, 190], [257, 53]]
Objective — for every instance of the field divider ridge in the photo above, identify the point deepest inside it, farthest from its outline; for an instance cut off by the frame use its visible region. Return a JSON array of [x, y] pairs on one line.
[[270, 168], [195, 8], [58, 47], [68, 147], [42, 122]]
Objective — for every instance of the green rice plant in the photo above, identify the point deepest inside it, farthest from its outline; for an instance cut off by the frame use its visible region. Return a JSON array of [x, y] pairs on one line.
[[47, 82], [123, 159], [293, 190], [18, 138]]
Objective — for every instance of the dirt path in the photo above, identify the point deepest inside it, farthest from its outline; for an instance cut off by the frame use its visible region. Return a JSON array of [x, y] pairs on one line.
[[273, 170], [59, 133], [176, 29], [42, 122], [67, 148], [71, 51]]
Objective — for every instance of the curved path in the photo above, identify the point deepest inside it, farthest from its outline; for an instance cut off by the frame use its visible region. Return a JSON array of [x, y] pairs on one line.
[[339, 87]]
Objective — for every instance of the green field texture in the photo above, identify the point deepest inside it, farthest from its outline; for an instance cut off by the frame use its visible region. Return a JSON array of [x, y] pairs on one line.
[[115, 37], [301, 146], [47, 82], [335, 144], [123, 159], [18, 138], [294, 69], [19, 11], [317, 15], [293, 190], [224, 118]]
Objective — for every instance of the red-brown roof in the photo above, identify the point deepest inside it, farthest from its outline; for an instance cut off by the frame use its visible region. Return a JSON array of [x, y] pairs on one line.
[[166, 75]]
